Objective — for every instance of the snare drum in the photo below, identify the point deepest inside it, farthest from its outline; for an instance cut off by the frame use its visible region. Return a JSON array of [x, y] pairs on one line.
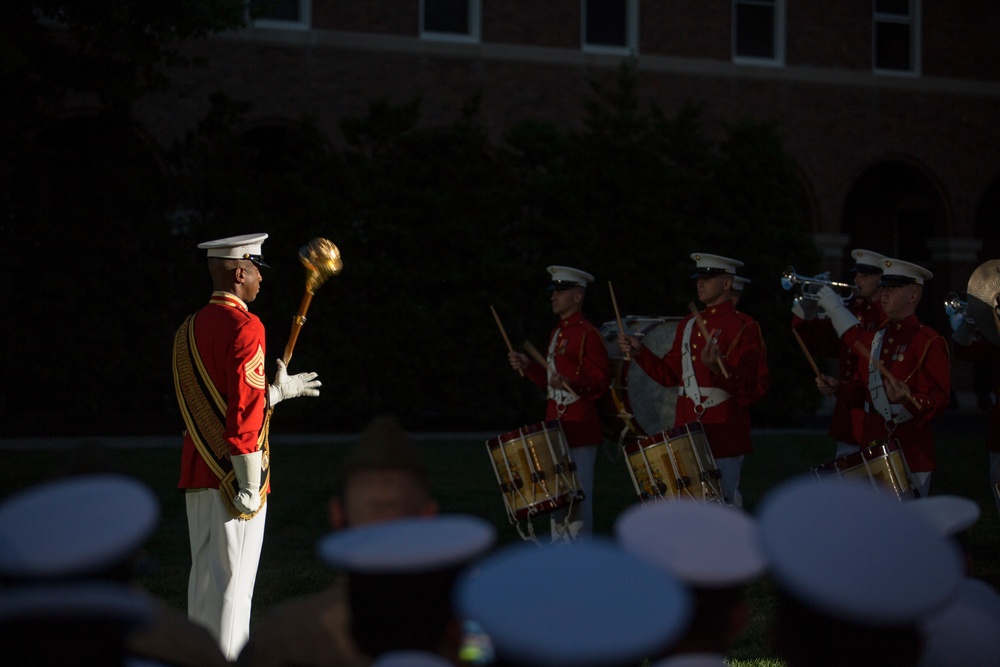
[[534, 469], [674, 464], [882, 463], [635, 405]]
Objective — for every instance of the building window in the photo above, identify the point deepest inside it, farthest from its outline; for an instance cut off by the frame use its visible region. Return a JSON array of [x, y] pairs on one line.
[[896, 36], [456, 20], [611, 26], [283, 14], [759, 31]]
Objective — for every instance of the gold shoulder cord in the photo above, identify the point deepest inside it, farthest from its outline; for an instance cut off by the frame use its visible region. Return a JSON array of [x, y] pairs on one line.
[[204, 413]]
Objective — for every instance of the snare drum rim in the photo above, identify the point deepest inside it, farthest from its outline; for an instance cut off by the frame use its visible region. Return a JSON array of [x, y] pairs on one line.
[[524, 432]]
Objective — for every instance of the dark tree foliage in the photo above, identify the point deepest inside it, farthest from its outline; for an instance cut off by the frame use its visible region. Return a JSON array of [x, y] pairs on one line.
[[435, 225]]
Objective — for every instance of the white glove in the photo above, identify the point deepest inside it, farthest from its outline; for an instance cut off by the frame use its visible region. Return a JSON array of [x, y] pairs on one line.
[[840, 317], [247, 469], [814, 287], [804, 309], [965, 333], [285, 386]]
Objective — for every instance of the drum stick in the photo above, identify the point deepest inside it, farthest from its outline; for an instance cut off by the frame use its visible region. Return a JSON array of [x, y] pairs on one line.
[[510, 348], [537, 356], [805, 351], [863, 351], [618, 315], [708, 337]]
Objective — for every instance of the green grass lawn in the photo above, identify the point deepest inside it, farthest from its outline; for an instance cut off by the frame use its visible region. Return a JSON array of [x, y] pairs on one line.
[[303, 477]]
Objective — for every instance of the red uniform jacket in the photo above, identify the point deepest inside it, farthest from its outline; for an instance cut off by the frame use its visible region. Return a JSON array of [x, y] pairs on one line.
[[918, 355], [581, 358], [727, 424], [984, 352], [821, 340], [231, 343]]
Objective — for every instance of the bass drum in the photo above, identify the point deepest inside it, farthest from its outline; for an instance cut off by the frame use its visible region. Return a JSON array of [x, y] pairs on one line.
[[635, 406]]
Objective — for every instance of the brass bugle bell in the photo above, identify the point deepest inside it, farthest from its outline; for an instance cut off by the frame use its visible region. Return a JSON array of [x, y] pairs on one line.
[[955, 305], [811, 285], [957, 310]]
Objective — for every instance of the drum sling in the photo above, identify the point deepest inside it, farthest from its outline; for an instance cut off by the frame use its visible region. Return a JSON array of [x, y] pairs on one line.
[[203, 408]]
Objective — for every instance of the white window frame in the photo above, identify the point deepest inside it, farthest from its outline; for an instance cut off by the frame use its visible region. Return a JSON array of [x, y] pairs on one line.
[[913, 20], [631, 46], [304, 22], [475, 26], [778, 34]]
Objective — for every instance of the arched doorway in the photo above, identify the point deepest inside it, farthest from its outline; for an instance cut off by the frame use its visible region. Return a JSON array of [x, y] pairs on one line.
[[894, 208]]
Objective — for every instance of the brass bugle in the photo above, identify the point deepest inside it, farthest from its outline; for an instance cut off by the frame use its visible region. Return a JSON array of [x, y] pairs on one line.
[[957, 310], [955, 305], [811, 285]]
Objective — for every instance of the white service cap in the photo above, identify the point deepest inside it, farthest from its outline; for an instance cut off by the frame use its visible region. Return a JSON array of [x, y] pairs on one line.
[[897, 272], [705, 545], [714, 265], [586, 604], [948, 513], [408, 546], [866, 261], [413, 658], [105, 600], [966, 632], [75, 526], [739, 282], [566, 277], [855, 554], [247, 246]]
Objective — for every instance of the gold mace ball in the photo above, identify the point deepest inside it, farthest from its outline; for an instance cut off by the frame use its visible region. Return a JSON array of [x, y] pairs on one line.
[[322, 261]]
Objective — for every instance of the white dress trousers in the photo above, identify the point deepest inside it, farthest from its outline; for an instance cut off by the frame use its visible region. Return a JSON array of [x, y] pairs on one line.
[[224, 557]]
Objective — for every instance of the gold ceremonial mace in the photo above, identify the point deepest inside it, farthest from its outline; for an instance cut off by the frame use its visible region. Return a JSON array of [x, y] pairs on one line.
[[322, 261]]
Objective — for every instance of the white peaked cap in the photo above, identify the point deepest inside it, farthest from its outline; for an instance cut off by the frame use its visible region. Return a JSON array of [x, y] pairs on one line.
[[813, 531], [408, 546], [113, 602], [563, 277], [247, 246], [706, 545], [75, 526], [949, 514], [867, 259], [410, 659], [898, 272], [966, 632], [585, 604], [710, 265]]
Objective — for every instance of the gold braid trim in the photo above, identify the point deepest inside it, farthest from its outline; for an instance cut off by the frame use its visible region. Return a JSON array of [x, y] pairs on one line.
[[923, 357], [201, 403], [204, 411]]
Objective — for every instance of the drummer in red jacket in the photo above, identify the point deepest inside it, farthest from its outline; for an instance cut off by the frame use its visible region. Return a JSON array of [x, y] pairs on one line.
[[717, 378], [578, 372]]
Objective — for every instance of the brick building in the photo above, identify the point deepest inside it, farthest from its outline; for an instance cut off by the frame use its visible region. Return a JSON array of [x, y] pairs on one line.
[[890, 107]]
